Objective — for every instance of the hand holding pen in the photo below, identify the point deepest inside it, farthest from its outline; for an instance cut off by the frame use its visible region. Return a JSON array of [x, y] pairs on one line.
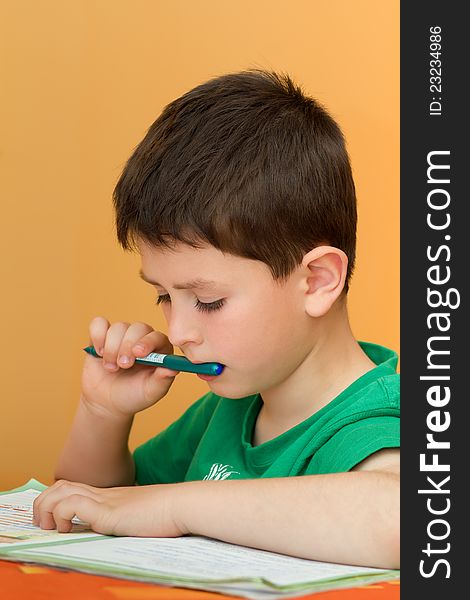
[[117, 383], [172, 361]]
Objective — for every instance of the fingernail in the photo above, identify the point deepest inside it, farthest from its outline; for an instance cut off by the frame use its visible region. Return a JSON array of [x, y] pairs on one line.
[[139, 348], [124, 360]]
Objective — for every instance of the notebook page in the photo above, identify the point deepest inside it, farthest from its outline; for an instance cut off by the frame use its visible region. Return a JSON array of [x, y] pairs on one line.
[[16, 526], [201, 559]]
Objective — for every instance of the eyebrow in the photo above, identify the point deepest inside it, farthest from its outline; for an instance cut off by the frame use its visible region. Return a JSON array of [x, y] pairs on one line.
[[194, 284]]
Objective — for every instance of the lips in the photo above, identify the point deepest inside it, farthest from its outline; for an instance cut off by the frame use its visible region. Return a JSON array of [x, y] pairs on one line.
[[199, 362], [207, 377]]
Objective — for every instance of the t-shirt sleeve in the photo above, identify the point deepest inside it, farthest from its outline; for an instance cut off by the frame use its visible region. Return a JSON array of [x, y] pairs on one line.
[[166, 457], [354, 443]]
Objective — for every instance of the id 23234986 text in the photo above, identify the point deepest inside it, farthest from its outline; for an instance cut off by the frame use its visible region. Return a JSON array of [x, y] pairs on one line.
[[435, 71]]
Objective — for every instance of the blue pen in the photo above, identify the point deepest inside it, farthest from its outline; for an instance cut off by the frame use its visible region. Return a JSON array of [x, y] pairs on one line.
[[172, 361]]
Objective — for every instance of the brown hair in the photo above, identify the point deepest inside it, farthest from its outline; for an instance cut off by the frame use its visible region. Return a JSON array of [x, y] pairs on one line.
[[247, 163]]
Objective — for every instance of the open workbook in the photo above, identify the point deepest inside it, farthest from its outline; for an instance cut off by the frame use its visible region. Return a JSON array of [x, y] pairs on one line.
[[189, 561]]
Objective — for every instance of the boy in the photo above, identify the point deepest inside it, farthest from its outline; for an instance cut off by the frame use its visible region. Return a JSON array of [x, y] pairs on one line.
[[241, 204]]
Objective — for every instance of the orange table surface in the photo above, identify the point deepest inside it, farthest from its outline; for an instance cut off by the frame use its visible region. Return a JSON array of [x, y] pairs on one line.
[[21, 581]]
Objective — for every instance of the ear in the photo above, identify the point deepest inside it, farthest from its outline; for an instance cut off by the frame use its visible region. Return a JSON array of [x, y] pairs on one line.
[[325, 274]]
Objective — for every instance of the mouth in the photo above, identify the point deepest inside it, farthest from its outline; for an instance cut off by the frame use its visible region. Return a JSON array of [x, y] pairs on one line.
[[200, 362], [207, 377], [218, 371]]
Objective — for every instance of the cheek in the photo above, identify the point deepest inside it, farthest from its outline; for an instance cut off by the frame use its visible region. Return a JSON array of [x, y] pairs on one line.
[[249, 336]]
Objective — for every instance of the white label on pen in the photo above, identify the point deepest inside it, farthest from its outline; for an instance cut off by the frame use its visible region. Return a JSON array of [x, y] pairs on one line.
[[155, 357]]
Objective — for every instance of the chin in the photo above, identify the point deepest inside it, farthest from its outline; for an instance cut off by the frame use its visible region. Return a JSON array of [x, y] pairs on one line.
[[226, 390]]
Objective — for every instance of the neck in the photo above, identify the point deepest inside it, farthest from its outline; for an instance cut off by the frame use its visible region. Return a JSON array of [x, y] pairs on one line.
[[334, 362]]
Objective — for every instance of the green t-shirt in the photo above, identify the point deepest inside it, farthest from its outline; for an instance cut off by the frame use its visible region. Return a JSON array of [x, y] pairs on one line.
[[212, 439]]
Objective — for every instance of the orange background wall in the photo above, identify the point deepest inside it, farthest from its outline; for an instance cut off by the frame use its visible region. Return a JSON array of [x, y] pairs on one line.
[[82, 81]]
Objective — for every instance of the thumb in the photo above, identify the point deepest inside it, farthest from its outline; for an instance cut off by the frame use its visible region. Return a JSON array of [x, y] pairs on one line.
[[164, 373], [159, 382]]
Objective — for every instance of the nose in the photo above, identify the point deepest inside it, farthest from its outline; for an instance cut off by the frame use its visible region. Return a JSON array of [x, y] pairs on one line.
[[182, 327]]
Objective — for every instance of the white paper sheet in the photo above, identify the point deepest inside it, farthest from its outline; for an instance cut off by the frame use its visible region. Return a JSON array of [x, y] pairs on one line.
[[201, 559], [16, 527]]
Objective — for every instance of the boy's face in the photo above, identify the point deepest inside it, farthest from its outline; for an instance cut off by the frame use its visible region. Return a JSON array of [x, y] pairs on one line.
[[239, 316]]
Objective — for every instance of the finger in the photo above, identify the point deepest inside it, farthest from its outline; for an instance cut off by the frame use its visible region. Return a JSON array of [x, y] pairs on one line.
[[56, 493], [112, 344], [158, 383], [39, 500], [98, 328], [134, 333], [85, 508], [164, 373], [155, 341]]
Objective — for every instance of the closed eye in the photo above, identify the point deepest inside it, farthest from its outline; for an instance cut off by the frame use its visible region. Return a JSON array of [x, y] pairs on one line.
[[202, 306]]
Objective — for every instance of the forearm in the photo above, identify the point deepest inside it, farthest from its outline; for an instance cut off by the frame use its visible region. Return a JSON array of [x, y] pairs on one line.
[[348, 518], [96, 451]]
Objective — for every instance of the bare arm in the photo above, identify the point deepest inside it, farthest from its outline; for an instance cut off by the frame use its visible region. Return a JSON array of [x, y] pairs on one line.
[[96, 451], [341, 517], [349, 517]]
